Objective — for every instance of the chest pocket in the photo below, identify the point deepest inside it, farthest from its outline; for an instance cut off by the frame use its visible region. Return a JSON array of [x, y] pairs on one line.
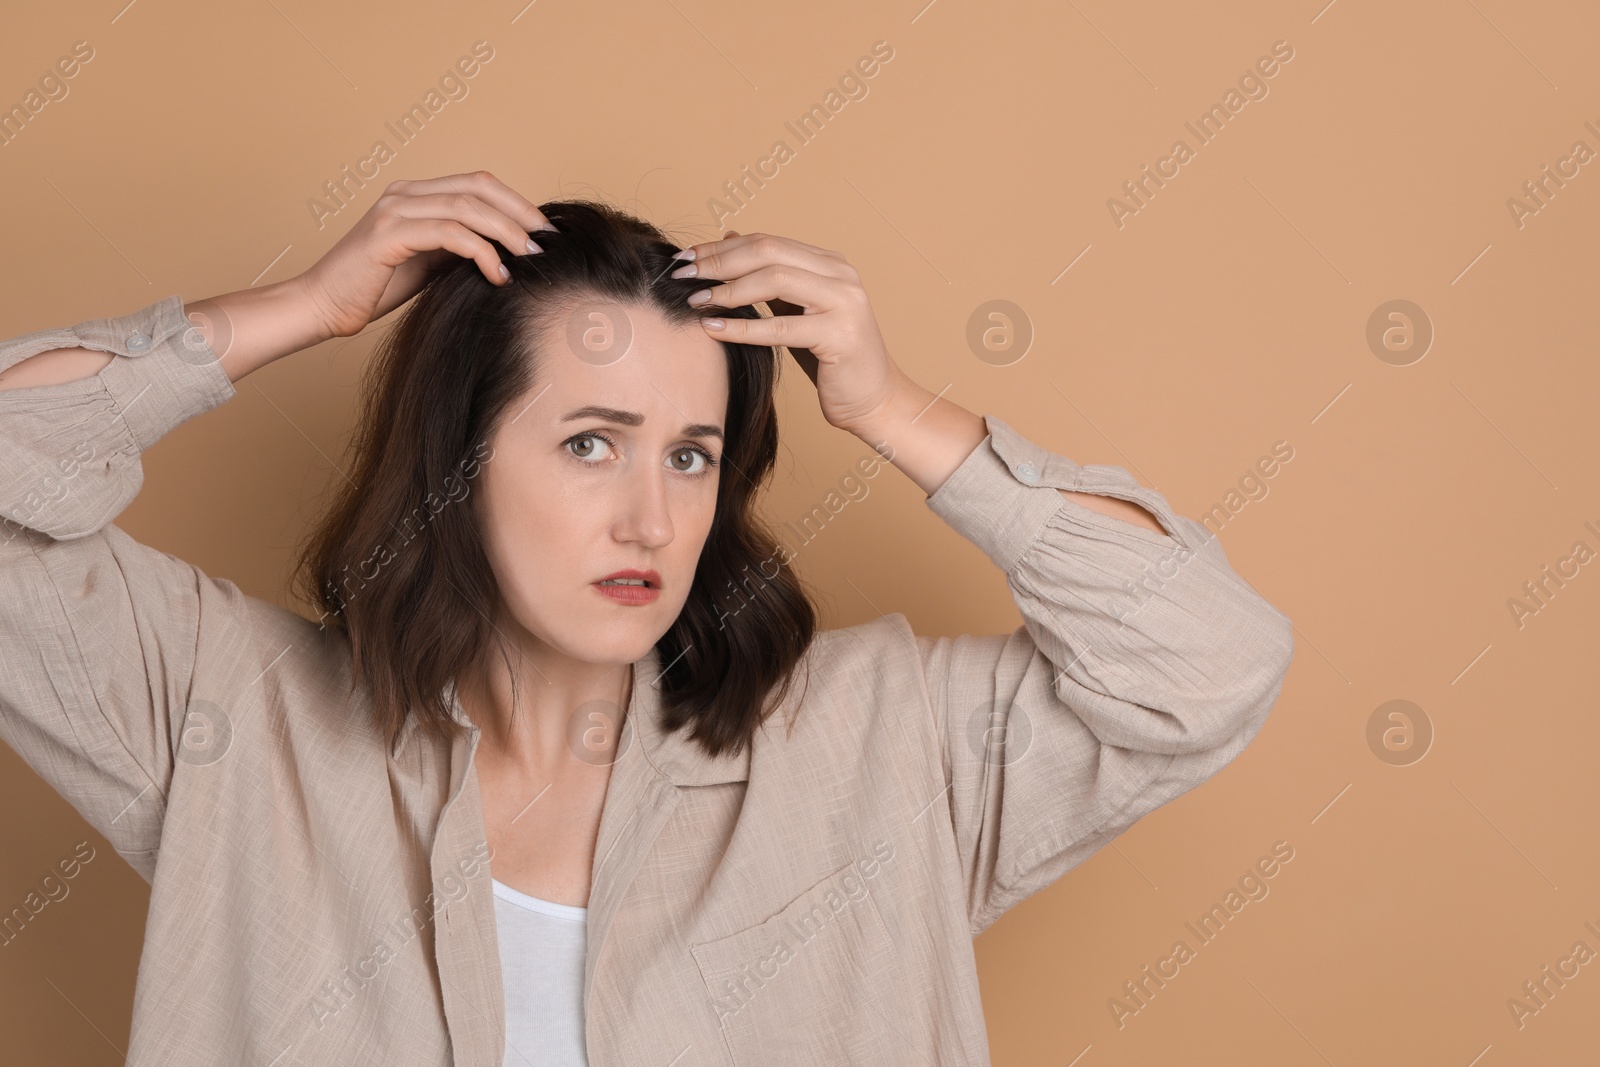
[[819, 982]]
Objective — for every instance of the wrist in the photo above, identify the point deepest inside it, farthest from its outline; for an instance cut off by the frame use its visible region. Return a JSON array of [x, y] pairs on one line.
[[925, 435], [904, 402], [318, 326], [250, 328]]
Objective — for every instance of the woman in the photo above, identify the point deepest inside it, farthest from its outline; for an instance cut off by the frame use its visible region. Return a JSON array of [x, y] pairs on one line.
[[514, 797]]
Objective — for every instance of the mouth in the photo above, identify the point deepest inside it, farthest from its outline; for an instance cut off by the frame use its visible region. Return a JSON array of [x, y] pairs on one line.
[[631, 587]]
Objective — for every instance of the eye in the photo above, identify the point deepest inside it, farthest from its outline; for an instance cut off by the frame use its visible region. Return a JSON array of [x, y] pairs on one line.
[[591, 448], [585, 446], [692, 455]]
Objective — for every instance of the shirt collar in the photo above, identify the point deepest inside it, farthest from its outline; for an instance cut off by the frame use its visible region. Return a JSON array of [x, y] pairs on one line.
[[673, 755]]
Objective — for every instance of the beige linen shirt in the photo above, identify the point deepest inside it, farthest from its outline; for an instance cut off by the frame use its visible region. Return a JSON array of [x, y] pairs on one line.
[[318, 897]]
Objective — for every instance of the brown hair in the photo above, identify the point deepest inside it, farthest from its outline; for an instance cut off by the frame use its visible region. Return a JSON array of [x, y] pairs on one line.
[[401, 570]]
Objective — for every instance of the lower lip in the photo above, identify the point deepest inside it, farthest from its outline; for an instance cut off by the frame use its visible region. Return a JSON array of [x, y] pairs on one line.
[[629, 594]]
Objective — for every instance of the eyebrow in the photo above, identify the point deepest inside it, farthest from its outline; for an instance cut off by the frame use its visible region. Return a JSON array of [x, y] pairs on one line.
[[633, 418]]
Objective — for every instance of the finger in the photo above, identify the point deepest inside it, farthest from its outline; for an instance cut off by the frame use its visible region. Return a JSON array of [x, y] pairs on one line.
[[471, 212], [793, 332], [795, 241], [507, 199], [416, 236], [740, 256], [738, 240], [803, 356], [735, 237], [486, 186], [813, 292], [482, 184]]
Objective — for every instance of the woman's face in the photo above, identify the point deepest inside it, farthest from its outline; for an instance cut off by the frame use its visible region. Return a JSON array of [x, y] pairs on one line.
[[606, 464]]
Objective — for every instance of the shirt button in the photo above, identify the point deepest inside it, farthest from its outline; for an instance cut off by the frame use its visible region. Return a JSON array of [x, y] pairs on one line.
[[137, 342], [1028, 472]]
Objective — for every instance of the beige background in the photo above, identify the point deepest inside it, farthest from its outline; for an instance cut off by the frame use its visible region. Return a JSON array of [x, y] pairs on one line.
[[1228, 314]]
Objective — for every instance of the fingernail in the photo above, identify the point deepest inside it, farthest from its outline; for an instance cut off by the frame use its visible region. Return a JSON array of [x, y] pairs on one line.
[[688, 270], [712, 324], [546, 225], [687, 253], [505, 273], [532, 248], [702, 297]]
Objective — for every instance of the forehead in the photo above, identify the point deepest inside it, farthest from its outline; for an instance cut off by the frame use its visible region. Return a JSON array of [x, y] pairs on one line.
[[628, 356]]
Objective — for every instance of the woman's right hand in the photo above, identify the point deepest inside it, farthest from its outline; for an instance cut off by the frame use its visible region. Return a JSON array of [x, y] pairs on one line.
[[413, 229]]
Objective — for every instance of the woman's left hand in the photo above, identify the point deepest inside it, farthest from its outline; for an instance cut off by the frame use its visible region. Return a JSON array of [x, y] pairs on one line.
[[820, 313]]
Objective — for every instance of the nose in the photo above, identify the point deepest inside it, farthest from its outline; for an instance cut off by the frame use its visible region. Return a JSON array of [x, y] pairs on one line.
[[642, 514]]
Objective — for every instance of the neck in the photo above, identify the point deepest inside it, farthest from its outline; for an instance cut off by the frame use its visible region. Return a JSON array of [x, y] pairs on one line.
[[545, 713]]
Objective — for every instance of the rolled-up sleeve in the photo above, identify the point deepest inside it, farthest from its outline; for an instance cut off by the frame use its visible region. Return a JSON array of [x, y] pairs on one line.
[[98, 633], [1144, 665]]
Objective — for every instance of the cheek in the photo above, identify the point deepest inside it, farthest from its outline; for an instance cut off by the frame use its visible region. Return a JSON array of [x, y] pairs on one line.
[[529, 539], [693, 531]]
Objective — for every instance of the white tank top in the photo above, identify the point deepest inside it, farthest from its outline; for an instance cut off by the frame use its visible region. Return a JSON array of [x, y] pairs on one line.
[[541, 965]]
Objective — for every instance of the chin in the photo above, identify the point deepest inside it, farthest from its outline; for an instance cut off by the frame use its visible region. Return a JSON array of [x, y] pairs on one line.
[[615, 642]]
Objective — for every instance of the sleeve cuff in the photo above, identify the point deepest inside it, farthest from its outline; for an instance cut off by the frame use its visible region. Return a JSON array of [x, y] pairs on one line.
[[1004, 492], [70, 451], [170, 375]]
